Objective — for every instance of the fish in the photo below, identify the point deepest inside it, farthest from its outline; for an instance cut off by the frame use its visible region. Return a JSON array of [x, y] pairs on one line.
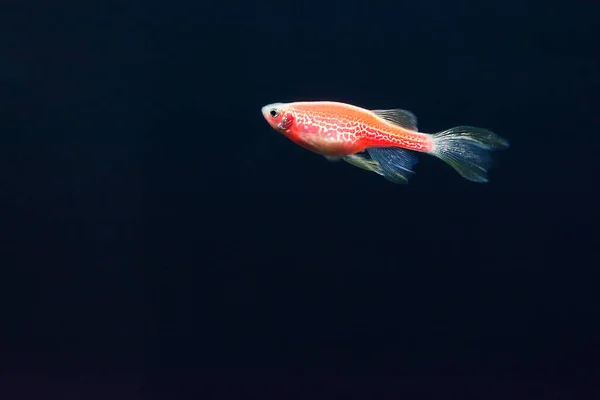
[[384, 141]]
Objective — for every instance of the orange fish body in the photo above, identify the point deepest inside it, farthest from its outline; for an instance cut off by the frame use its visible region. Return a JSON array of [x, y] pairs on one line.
[[382, 141]]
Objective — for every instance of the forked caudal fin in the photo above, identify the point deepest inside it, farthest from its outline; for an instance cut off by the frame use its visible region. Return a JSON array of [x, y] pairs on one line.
[[467, 149]]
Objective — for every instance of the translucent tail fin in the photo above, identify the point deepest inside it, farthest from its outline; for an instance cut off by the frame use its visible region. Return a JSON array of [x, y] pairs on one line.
[[467, 149]]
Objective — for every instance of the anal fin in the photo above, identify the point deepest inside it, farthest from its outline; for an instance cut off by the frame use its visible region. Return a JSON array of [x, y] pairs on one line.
[[395, 163], [361, 160]]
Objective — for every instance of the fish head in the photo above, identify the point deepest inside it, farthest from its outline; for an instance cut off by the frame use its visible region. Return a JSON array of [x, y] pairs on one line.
[[280, 116]]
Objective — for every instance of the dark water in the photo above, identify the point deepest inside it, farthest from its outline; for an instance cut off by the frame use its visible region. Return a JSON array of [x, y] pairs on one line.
[[159, 239]]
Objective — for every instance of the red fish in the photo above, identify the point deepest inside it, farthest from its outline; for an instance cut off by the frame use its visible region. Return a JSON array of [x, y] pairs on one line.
[[382, 141]]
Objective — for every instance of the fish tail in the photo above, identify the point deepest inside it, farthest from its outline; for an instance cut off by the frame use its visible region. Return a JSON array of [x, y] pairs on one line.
[[467, 149]]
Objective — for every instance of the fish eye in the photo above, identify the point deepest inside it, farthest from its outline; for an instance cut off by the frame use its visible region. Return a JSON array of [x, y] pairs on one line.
[[274, 112]]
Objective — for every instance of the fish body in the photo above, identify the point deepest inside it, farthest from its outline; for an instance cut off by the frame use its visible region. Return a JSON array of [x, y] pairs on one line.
[[382, 141]]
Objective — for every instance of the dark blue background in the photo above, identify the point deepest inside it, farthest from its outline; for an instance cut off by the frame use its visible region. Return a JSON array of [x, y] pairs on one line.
[[158, 237]]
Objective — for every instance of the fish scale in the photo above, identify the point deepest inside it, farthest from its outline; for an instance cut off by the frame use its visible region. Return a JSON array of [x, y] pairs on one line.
[[354, 130]]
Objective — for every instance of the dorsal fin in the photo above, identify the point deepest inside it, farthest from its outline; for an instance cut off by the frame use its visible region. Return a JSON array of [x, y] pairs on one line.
[[400, 117]]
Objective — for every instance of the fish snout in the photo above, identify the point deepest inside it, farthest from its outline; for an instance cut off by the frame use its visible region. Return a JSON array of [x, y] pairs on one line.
[[273, 110], [265, 111]]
